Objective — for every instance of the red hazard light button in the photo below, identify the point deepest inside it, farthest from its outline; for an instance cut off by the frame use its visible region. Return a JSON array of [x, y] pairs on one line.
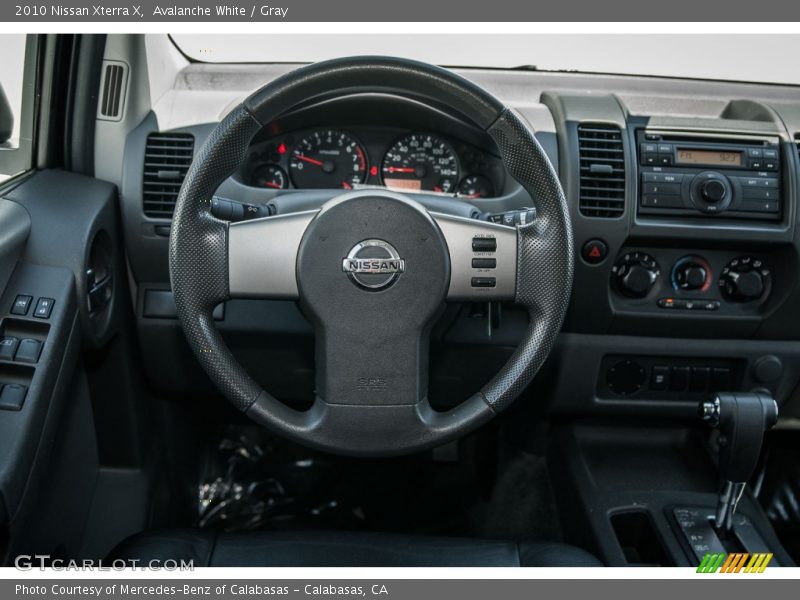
[[594, 252]]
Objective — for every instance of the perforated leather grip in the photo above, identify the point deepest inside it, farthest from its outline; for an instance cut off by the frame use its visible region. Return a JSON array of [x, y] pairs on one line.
[[545, 258]]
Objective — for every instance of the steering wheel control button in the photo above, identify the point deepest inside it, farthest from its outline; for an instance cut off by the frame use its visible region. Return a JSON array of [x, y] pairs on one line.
[[44, 306], [626, 377], [594, 252], [13, 396], [484, 263], [8, 347], [373, 264], [22, 304], [484, 282], [28, 351], [484, 244]]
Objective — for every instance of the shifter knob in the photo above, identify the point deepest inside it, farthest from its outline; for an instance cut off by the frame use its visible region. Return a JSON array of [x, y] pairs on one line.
[[742, 419]]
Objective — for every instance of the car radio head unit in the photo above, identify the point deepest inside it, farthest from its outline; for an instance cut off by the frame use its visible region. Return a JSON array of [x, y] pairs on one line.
[[697, 175]]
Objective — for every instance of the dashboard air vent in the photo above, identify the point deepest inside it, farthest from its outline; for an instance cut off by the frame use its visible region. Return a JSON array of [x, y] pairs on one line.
[[602, 169], [112, 91], [167, 157]]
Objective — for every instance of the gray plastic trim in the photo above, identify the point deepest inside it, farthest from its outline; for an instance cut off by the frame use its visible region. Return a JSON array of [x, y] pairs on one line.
[[262, 256]]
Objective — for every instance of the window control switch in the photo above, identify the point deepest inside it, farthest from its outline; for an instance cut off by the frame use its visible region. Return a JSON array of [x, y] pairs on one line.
[[8, 347], [28, 351], [22, 304], [13, 396]]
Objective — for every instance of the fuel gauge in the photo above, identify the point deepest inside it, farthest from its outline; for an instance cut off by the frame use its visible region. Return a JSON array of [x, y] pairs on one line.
[[475, 186], [270, 176]]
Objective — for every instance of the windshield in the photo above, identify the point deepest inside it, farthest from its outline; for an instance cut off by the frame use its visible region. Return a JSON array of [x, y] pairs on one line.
[[757, 58]]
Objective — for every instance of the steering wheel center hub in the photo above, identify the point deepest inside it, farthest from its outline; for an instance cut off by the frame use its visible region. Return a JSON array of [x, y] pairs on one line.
[[373, 264], [373, 270]]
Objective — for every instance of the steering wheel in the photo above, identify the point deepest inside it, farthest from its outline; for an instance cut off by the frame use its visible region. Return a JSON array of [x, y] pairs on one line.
[[371, 270]]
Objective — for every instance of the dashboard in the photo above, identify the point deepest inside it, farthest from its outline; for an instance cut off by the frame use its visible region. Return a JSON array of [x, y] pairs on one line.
[[339, 157], [682, 195]]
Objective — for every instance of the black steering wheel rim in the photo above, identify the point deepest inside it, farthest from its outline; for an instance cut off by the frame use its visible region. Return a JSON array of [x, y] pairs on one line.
[[200, 252]]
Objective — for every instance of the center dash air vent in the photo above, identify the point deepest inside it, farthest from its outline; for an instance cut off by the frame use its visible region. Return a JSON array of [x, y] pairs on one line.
[[167, 157], [602, 168]]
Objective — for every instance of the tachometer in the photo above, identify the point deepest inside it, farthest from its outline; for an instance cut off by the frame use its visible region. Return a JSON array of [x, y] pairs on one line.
[[328, 159], [420, 162]]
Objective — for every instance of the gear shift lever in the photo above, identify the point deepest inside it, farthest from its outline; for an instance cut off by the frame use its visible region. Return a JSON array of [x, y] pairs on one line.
[[742, 419]]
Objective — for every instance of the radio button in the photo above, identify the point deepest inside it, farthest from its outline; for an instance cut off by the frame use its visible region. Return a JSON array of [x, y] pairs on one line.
[[771, 165], [761, 182], [662, 177], [650, 160], [665, 160], [669, 189], [665, 149], [762, 206], [770, 154], [648, 148], [755, 153], [662, 201], [750, 193], [756, 164]]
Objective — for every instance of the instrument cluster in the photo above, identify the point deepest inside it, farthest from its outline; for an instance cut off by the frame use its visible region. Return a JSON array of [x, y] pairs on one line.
[[330, 158]]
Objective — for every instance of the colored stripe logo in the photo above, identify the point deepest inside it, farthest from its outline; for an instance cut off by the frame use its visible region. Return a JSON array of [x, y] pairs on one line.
[[735, 562]]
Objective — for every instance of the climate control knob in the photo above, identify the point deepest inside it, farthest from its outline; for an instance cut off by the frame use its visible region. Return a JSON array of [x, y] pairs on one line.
[[691, 273], [634, 274], [745, 279]]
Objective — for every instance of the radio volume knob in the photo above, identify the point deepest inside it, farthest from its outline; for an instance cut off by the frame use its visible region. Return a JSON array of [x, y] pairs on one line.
[[713, 191]]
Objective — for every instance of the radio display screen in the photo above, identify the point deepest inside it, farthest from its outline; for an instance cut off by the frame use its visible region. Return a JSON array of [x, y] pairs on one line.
[[709, 157]]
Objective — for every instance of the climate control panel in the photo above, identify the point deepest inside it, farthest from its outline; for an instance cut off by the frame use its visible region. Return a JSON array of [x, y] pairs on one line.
[[668, 279]]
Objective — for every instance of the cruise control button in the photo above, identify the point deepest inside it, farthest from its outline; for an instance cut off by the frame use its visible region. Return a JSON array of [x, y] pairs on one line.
[[484, 244], [484, 282], [22, 304], [484, 263], [594, 252]]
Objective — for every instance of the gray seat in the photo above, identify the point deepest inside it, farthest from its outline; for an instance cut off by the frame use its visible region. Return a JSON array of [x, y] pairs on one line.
[[344, 549]]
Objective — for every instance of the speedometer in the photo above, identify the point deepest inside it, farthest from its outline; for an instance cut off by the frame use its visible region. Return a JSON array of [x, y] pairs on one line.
[[328, 159], [420, 162]]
